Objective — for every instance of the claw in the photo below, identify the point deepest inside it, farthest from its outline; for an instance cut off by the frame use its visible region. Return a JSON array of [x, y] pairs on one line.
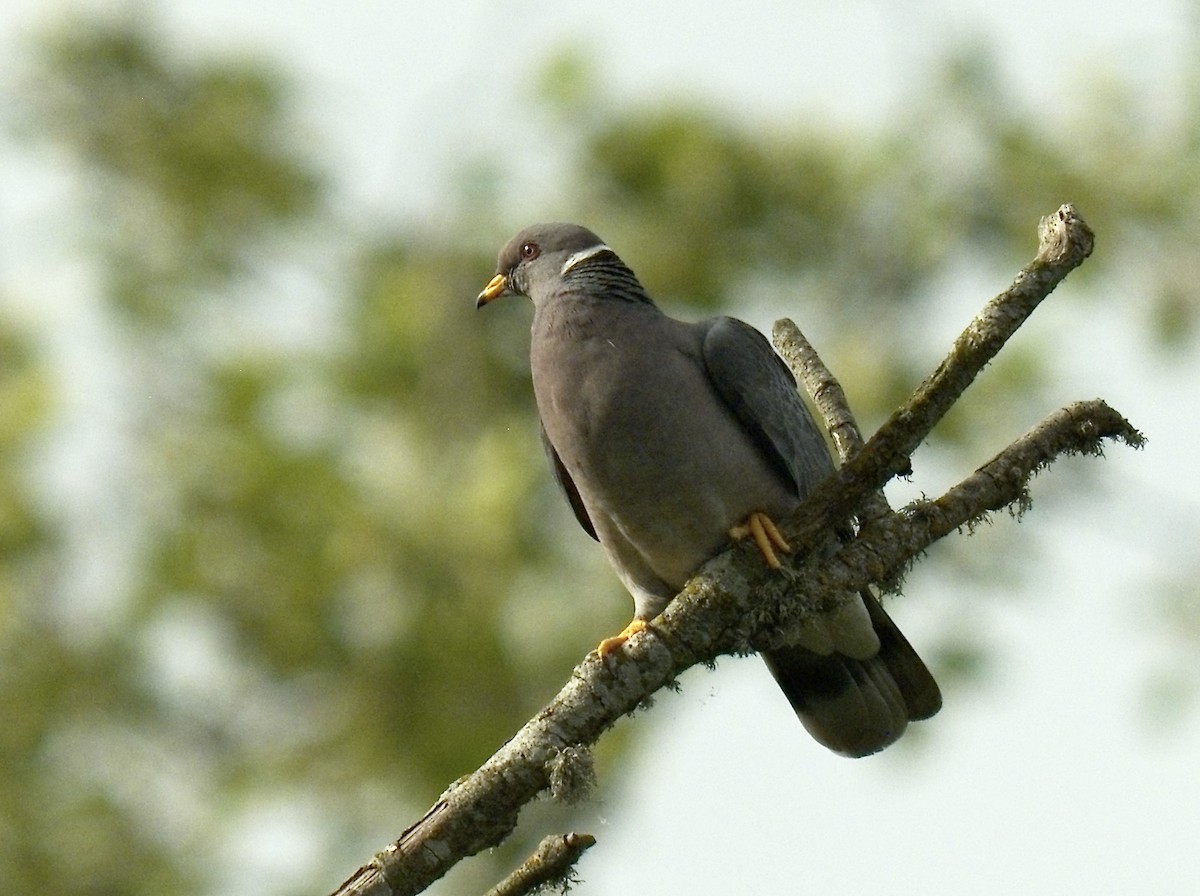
[[609, 645], [766, 536]]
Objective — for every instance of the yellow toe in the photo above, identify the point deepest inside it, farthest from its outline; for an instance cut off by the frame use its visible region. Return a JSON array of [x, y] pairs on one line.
[[609, 645], [766, 535]]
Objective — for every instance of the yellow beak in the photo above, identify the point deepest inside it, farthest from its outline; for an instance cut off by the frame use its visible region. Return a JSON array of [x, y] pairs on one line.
[[495, 288]]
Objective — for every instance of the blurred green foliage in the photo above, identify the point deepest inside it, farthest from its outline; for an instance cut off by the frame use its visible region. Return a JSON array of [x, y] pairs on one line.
[[189, 165], [348, 580], [24, 394]]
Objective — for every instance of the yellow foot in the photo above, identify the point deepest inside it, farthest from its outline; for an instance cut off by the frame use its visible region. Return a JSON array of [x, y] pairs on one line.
[[608, 645], [762, 529]]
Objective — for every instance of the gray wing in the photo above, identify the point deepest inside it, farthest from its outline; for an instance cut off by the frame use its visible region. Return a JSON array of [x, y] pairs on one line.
[[760, 390], [567, 484], [854, 706]]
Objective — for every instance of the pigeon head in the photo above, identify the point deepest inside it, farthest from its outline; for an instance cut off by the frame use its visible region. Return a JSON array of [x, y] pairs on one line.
[[537, 260]]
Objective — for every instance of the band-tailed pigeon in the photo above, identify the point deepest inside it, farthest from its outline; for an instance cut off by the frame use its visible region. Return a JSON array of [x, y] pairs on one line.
[[669, 438]]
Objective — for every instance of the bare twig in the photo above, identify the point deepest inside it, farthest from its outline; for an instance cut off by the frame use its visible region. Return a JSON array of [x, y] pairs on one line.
[[829, 397], [822, 386], [735, 602], [551, 864]]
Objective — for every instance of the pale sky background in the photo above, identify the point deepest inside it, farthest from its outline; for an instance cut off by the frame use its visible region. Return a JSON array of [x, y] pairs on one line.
[[1047, 779]]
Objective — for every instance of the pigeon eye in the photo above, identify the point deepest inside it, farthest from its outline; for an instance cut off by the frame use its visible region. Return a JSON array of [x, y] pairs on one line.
[[530, 250]]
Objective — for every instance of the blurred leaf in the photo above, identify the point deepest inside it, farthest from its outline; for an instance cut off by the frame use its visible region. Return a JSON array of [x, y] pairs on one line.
[[192, 164]]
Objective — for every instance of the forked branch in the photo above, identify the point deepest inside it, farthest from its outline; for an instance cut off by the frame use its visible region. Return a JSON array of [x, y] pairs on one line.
[[734, 603]]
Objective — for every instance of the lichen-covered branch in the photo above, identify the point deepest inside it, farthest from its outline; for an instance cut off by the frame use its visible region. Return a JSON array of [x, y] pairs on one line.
[[735, 603], [1065, 240], [886, 547]]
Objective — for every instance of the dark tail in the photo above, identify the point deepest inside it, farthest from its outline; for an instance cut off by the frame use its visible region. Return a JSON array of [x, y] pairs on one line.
[[858, 707]]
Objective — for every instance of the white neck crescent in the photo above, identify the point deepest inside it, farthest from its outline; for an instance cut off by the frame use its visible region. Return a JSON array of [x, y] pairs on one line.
[[583, 255]]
